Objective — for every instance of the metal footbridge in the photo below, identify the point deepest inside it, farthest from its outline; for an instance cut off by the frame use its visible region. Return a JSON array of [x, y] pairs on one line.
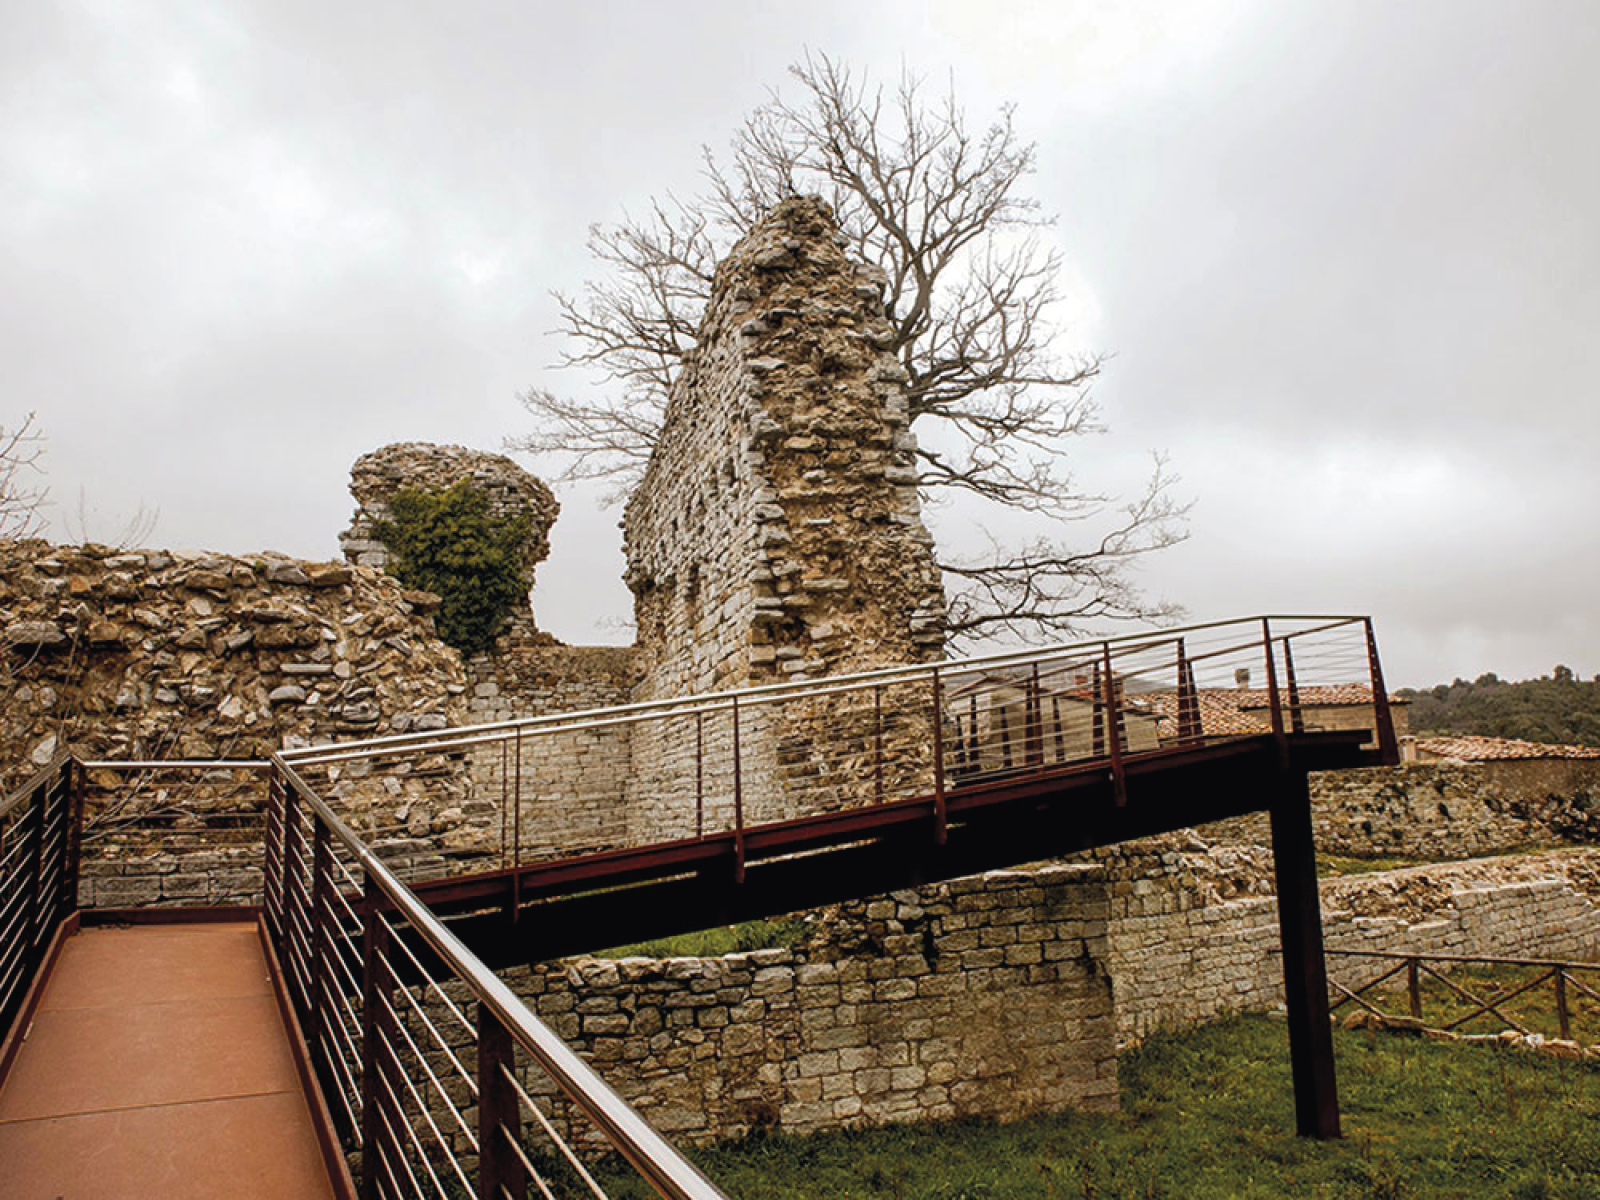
[[348, 1035]]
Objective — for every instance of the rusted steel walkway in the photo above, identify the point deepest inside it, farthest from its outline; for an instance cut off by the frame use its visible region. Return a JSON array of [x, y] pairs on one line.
[[158, 1065]]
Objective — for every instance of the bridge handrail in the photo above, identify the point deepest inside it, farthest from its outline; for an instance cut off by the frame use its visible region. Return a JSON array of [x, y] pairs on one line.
[[651, 1155], [462, 736], [39, 826]]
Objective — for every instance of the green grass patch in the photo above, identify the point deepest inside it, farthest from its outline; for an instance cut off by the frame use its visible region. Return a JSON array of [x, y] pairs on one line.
[[1209, 1115], [1535, 1008], [711, 943]]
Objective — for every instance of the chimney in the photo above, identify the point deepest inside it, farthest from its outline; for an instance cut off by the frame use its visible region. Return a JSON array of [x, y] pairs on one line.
[[1242, 677]]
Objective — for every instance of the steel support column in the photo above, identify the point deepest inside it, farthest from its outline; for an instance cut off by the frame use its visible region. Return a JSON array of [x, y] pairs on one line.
[[1305, 975]]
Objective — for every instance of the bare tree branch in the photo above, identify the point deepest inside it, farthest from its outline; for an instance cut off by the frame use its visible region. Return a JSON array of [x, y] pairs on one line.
[[21, 500], [969, 291]]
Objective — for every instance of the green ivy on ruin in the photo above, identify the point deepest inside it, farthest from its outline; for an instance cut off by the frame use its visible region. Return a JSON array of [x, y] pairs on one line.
[[448, 543]]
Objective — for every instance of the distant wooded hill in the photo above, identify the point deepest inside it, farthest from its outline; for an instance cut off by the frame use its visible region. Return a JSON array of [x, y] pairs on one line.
[[1559, 708]]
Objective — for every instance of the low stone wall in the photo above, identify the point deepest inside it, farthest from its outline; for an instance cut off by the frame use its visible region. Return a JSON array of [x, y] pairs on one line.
[[1182, 954], [980, 997], [1443, 809]]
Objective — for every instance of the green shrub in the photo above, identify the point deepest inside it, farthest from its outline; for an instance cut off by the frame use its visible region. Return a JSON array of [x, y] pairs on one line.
[[447, 543]]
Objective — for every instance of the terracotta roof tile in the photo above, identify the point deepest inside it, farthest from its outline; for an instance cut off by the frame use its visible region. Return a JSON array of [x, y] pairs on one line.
[[1472, 748]]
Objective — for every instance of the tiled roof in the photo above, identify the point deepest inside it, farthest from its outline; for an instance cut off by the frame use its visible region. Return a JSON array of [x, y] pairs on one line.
[[1241, 711], [1470, 748]]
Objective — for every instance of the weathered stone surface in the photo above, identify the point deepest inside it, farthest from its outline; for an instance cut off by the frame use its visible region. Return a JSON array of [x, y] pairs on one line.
[[34, 635], [155, 676], [509, 490], [767, 510]]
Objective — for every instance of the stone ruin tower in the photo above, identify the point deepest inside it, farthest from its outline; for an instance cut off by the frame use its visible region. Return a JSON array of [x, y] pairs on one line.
[[777, 532], [510, 490]]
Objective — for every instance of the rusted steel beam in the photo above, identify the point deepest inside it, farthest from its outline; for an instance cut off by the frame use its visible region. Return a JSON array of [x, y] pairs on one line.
[[1297, 722], [1388, 745], [1305, 975], [1274, 700], [500, 1171], [1115, 734]]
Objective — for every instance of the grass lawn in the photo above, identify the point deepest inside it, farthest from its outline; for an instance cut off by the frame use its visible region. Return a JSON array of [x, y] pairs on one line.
[[1208, 1115]]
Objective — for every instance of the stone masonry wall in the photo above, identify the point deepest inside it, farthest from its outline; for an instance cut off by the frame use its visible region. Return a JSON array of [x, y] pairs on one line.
[[572, 789], [980, 997], [151, 654], [509, 490], [1193, 932], [1443, 809], [777, 532]]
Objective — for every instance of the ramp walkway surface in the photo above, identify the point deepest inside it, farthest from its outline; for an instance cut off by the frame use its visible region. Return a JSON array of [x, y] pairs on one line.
[[157, 1065]]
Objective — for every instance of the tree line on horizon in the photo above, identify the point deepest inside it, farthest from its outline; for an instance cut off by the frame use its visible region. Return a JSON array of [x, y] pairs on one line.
[[1558, 708]]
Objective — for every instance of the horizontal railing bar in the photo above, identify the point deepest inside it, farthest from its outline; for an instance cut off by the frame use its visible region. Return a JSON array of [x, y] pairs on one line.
[[651, 1155], [424, 1110], [767, 693], [550, 1132], [178, 764], [1466, 958]]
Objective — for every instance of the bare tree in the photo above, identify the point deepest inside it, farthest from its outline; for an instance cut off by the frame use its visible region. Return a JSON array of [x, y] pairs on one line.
[[970, 292], [21, 499]]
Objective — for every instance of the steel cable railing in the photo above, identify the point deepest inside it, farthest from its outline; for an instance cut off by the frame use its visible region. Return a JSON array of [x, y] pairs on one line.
[[429, 1054], [720, 763], [39, 824]]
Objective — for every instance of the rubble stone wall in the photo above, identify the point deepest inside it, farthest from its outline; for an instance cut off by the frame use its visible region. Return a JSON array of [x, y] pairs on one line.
[[777, 532], [156, 655], [509, 491], [1443, 809]]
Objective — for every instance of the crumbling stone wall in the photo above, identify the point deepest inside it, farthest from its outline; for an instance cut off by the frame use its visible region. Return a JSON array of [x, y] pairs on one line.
[[1443, 809], [777, 531], [509, 490], [777, 534], [152, 655]]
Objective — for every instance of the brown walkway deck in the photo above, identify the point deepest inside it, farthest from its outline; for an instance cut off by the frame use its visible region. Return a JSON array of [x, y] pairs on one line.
[[158, 1066]]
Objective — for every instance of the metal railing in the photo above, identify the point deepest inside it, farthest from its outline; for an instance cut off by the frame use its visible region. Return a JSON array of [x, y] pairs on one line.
[[39, 825], [1456, 1005], [721, 762], [440, 1076]]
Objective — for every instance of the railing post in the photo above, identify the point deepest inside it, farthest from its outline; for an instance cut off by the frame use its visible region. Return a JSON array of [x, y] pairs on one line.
[[1033, 721], [1414, 987], [1562, 1015], [941, 828], [376, 1137], [1297, 721], [1119, 780], [1097, 719], [1190, 726], [76, 784], [699, 774], [291, 839], [1388, 746], [738, 800], [500, 1171], [516, 806], [1274, 700], [877, 743], [321, 910]]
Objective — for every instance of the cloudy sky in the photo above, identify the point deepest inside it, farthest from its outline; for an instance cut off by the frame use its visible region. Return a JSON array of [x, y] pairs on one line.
[[1345, 257]]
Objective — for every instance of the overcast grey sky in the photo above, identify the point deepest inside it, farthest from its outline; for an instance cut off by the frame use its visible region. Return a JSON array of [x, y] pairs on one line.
[[1345, 256]]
